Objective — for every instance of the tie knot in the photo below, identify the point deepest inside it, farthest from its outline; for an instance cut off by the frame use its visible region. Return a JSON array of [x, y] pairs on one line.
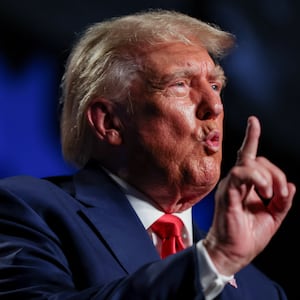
[[167, 226]]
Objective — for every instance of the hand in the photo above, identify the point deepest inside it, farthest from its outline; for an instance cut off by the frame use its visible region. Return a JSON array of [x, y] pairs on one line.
[[243, 223]]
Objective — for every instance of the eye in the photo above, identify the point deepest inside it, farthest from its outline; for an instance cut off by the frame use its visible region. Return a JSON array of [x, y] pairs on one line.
[[216, 87], [179, 83], [179, 88]]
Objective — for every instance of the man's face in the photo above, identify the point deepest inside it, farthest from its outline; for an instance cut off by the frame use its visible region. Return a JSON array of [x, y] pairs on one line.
[[175, 135]]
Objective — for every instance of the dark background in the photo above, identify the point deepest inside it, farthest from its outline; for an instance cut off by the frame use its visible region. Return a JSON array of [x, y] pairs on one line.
[[263, 79]]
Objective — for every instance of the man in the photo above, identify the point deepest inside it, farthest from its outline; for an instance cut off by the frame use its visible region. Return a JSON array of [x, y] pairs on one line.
[[142, 119]]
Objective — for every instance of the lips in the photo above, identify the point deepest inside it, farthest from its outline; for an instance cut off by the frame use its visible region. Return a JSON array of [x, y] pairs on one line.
[[212, 141]]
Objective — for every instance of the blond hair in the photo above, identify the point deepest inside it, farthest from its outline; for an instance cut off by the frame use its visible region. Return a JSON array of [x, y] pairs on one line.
[[105, 60]]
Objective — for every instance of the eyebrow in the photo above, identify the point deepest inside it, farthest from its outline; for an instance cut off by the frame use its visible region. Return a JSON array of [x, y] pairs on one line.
[[155, 82], [217, 73]]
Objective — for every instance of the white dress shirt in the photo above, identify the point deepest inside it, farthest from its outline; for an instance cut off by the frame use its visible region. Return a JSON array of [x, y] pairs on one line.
[[211, 280]]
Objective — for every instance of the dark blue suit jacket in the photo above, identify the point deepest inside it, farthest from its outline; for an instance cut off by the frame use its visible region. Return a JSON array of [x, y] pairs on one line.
[[77, 237]]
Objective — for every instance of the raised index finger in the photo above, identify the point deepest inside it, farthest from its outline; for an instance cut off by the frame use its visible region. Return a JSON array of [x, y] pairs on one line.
[[249, 146]]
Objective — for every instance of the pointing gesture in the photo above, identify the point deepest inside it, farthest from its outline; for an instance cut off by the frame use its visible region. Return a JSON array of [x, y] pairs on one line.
[[249, 147], [243, 225]]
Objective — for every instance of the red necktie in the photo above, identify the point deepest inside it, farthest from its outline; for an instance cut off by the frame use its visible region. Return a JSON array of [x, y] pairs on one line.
[[168, 228]]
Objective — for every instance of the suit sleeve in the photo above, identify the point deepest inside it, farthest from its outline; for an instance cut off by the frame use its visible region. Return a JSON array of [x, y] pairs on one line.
[[33, 264]]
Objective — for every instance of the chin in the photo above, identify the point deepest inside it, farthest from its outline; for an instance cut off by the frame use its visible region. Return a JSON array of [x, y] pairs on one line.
[[209, 173]]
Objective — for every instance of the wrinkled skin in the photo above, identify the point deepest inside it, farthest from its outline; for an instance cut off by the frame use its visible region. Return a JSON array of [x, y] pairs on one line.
[[174, 139], [170, 149], [243, 225]]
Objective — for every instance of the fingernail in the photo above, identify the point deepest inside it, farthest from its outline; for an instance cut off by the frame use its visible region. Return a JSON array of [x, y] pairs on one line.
[[269, 192], [249, 123], [284, 191]]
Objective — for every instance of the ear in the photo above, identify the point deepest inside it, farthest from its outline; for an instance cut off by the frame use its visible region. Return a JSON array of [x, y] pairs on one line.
[[104, 121]]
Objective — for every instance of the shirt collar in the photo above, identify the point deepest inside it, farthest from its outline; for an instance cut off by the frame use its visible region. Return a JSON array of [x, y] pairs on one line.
[[145, 208]]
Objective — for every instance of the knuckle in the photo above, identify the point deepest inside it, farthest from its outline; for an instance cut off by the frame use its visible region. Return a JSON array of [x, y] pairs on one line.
[[235, 171], [244, 157], [261, 159]]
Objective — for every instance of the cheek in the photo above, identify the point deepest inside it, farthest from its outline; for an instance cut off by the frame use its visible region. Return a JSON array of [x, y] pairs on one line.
[[208, 171], [177, 136], [168, 138], [166, 128], [170, 125], [212, 166], [166, 144], [179, 132]]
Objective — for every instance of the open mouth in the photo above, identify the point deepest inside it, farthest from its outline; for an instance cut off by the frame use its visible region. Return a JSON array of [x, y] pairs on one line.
[[212, 141]]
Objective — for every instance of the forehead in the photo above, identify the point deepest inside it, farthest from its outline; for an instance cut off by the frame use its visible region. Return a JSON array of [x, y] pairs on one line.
[[174, 57]]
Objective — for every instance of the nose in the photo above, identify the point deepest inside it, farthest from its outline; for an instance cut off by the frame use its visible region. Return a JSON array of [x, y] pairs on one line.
[[209, 109], [208, 95]]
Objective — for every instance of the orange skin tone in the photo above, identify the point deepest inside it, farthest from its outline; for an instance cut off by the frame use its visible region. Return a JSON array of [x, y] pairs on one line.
[[171, 150], [176, 107]]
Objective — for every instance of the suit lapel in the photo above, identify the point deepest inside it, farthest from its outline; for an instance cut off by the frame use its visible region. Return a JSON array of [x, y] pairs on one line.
[[112, 216], [198, 234]]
